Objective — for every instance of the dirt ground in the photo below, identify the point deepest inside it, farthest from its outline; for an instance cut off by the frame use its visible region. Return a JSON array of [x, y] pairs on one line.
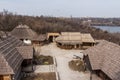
[[41, 76], [63, 57]]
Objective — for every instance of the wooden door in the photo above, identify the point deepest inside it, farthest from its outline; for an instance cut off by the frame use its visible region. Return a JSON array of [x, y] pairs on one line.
[[1, 77]]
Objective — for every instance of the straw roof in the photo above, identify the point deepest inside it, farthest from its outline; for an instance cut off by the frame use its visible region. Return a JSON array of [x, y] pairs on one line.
[[87, 38], [74, 38], [10, 59], [106, 57], [26, 51], [23, 32], [41, 37], [52, 33], [70, 33], [2, 33]]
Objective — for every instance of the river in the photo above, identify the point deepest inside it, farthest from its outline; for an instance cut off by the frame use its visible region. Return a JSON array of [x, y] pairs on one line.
[[111, 29]]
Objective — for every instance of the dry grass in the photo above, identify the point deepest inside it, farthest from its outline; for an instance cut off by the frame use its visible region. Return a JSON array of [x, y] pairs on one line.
[[77, 65], [44, 60], [42, 76]]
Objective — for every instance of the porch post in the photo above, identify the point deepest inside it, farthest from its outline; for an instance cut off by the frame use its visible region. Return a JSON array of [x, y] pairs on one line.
[[90, 75], [75, 46]]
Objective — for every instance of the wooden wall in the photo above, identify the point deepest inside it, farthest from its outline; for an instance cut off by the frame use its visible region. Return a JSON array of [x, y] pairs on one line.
[[75, 46], [87, 62], [5, 77], [102, 75]]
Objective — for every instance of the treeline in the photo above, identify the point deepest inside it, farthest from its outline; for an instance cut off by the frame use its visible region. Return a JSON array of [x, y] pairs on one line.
[[42, 25], [101, 21]]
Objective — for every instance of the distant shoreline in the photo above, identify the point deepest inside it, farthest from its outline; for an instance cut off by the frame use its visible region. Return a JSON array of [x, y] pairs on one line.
[[106, 25], [111, 29]]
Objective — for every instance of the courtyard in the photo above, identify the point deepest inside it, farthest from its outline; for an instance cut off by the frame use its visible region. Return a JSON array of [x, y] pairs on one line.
[[62, 58]]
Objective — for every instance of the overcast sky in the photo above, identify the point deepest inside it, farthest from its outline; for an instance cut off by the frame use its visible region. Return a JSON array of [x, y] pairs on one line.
[[63, 8]]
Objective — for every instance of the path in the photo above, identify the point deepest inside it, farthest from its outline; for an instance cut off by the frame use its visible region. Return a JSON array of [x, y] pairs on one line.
[[45, 68]]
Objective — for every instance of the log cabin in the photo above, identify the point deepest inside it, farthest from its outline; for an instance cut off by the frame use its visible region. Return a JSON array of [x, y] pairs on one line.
[[104, 60], [10, 58]]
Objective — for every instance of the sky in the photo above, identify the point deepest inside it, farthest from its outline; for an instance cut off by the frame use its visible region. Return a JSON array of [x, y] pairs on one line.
[[63, 8]]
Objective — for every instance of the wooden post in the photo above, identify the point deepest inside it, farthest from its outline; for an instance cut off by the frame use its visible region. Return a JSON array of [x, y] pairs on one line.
[[91, 75], [75, 46], [53, 38], [79, 46]]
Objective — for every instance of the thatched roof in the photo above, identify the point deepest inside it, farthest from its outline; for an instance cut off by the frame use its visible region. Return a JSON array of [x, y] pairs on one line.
[[70, 33], [26, 51], [87, 38], [74, 38], [2, 34], [41, 37], [23, 32], [10, 59], [106, 57], [52, 34]]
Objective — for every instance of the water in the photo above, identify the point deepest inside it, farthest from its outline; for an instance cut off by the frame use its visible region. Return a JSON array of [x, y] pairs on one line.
[[111, 29]]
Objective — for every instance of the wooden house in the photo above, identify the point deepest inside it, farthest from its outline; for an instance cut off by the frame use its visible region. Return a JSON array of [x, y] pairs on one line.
[[27, 54], [77, 40], [40, 40], [104, 60], [11, 59], [24, 33]]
